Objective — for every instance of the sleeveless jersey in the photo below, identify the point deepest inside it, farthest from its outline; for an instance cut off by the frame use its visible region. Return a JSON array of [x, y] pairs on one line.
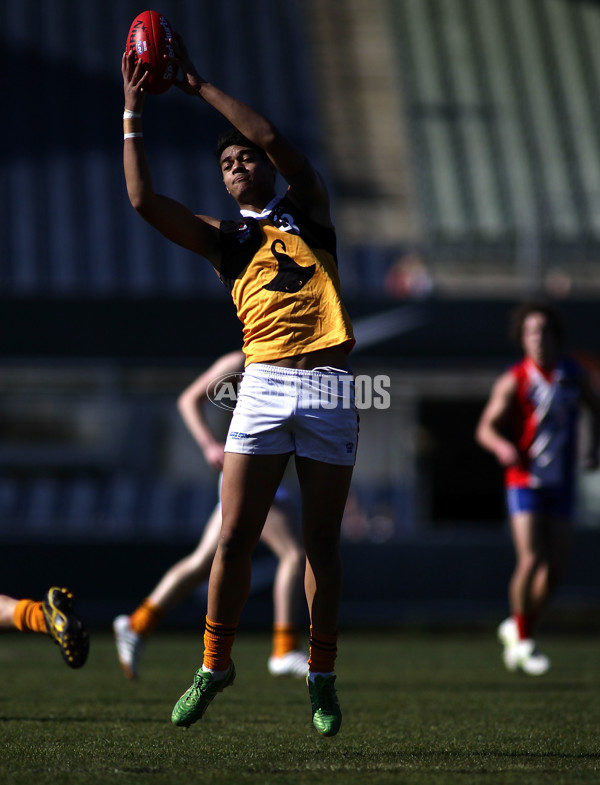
[[281, 269], [544, 424]]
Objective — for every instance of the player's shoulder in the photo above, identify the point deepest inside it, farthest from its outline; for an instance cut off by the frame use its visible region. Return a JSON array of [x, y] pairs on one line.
[[511, 374], [518, 368], [507, 384]]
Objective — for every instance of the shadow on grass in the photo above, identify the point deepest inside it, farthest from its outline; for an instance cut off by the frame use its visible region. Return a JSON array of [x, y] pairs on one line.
[[520, 683], [59, 720]]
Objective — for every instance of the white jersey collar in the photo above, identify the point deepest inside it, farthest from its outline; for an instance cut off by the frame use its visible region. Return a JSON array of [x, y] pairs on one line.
[[264, 212]]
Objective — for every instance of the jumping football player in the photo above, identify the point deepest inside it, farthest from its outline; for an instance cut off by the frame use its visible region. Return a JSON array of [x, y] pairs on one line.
[[279, 262]]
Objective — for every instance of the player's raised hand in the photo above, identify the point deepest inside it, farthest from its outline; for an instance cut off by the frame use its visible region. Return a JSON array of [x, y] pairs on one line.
[[190, 80], [134, 76]]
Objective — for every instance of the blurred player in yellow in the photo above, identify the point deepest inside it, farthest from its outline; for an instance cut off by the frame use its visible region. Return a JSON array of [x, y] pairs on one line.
[[54, 616], [281, 534], [279, 262], [530, 425]]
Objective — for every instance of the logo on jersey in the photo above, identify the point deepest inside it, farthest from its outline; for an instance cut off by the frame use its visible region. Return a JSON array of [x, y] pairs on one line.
[[291, 276], [284, 222], [243, 233]]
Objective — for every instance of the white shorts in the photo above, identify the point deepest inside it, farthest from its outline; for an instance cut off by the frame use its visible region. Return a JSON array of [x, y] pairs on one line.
[[284, 410]]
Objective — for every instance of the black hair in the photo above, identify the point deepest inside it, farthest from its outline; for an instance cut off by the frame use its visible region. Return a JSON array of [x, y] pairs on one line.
[[234, 137], [521, 313]]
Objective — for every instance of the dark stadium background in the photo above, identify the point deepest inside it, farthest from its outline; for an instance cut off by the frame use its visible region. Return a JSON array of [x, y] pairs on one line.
[[460, 142]]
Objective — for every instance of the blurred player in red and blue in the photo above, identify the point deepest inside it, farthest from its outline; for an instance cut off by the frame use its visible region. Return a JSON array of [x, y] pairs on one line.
[[530, 424]]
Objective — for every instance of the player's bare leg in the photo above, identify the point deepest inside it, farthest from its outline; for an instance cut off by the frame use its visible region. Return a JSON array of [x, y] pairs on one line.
[[281, 534], [324, 488], [7, 612], [176, 584], [528, 594], [191, 571], [247, 492]]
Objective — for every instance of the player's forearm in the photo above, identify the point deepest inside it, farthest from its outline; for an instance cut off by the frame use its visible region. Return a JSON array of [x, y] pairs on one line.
[[196, 424], [252, 124], [485, 436], [138, 179], [202, 435], [489, 438]]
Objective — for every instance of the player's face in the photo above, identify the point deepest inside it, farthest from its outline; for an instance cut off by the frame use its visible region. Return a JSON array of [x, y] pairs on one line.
[[539, 341], [248, 177]]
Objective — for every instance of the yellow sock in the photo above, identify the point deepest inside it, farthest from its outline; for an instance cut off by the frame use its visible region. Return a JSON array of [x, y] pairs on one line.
[[28, 616], [322, 652], [145, 618], [218, 642], [285, 639]]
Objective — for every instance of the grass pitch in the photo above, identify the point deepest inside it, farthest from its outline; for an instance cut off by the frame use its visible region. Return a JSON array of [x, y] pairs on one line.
[[431, 708]]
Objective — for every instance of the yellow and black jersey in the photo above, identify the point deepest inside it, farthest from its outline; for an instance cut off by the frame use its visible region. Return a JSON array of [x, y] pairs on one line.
[[281, 269]]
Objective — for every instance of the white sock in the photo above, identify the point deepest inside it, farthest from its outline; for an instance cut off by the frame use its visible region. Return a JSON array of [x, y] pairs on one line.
[[215, 674]]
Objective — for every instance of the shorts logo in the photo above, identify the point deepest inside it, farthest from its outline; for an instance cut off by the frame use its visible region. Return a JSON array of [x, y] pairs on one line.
[[238, 435], [349, 447]]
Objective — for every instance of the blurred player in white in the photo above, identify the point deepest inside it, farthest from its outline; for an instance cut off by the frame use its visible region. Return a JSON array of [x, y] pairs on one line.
[[530, 425], [280, 533]]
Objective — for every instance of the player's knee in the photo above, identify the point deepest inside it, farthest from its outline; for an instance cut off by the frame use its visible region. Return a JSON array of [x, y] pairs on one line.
[[528, 563], [322, 546], [295, 558], [235, 544]]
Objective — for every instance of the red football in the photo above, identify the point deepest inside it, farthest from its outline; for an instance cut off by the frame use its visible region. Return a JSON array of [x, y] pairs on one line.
[[149, 36]]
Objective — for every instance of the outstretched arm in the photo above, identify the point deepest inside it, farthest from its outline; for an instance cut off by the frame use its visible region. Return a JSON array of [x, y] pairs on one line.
[[192, 400], [172, 219], [306, 184]]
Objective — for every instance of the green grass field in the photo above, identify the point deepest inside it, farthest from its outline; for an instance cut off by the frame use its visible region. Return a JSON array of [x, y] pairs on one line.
[[432, 708]]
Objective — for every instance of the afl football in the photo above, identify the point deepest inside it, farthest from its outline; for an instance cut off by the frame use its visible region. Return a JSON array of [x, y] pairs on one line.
[[149, 36]]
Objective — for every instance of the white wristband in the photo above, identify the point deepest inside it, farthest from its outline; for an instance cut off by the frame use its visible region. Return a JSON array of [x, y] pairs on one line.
[[135, 135], [128, 114]]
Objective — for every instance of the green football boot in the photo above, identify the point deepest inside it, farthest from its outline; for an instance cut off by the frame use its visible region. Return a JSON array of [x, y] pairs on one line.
[[326, 711], [65, 627], [194, 702]]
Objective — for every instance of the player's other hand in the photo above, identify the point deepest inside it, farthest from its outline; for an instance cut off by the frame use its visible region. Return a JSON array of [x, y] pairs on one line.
[[190, 80], [507, 454], [215, 456]]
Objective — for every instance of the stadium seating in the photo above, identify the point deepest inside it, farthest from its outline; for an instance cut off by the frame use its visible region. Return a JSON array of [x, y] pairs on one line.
[[502, 109], [499, 97], [118, 508]]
